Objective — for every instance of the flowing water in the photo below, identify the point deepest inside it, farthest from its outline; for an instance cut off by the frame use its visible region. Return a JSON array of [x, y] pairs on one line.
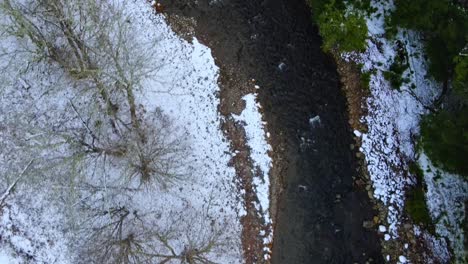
[[320, 214]]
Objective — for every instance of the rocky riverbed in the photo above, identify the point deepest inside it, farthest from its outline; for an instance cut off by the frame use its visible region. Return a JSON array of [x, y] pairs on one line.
[[318, 212]]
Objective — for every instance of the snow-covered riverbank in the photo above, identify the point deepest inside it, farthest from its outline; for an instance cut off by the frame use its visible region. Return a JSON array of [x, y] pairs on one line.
[[205, 205], [389, 144]]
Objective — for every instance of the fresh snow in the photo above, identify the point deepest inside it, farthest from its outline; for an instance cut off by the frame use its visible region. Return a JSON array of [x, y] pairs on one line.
[[393, 115], [186, 89], [8, 257], [392, 120], [259, 147], [445, 195], [251, 118]]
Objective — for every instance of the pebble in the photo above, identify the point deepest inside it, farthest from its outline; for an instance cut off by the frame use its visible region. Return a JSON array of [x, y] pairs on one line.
[[367, 224], [376, 219], [382, 229], [357, 133]]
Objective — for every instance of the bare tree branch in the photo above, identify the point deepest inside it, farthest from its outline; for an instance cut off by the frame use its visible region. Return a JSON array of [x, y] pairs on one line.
[[12, 186]]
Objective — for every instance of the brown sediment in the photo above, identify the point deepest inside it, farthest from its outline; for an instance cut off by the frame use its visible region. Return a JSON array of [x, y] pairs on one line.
[[233, 87], [252, 223], [350, 77]]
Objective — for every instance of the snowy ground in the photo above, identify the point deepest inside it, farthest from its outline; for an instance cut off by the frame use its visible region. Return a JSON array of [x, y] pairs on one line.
[[393, 117], [393, 123], [33, 224], [445, 197]]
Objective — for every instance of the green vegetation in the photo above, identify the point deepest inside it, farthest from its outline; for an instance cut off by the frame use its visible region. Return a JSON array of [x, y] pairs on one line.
[[443, 23], [416, 205], [400, 64], [365, 80], [341, 30], [445, 139], [417, 209], [444, 27], [364, 5], [416, 171], [460, 79], [317, 6]]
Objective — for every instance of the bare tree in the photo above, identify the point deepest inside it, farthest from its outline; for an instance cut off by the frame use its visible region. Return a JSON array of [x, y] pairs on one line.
[[12, 186], [94, 43], [157, 153], [101, 145], [121, 234]]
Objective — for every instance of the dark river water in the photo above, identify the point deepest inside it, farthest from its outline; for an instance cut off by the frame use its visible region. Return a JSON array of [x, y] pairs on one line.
[[275, 41]]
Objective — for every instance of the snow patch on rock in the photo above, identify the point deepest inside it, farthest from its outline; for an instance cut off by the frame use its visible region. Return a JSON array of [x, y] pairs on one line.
[[252, 119]]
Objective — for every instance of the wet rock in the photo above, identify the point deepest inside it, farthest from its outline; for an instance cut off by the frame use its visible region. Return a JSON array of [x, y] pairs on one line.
[[368, 224], [360, 182], [376, 219]]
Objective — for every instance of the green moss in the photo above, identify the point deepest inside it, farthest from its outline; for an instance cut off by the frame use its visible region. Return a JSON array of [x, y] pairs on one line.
[[460, 80], [416, 170], [416, 205], [417, 209], [365, 80]]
